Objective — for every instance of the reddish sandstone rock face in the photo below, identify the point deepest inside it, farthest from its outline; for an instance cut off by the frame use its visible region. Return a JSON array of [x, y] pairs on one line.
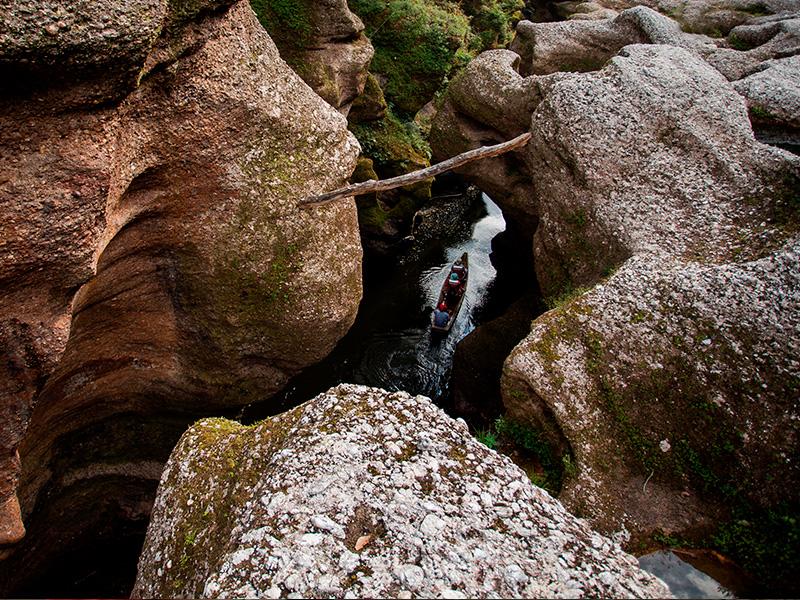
[[153, 257]]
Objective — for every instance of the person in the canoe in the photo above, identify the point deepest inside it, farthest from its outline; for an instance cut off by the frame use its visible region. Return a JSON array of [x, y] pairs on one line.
[[440, 315], [455, 286], [460, 269]]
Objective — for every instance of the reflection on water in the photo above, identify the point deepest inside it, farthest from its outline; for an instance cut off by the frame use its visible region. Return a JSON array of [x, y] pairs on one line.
[[683, 580], [390, 345]]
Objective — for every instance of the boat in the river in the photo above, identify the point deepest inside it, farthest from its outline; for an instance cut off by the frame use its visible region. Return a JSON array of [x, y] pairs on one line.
[[452, 295]]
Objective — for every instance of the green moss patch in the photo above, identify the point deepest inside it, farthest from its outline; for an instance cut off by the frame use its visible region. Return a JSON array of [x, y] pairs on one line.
[[289, 21], [530, 449], [212, 484], [417, 44], [395, 146]]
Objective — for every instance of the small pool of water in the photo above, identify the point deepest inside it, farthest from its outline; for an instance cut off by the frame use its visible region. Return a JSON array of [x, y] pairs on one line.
[[683, 580]]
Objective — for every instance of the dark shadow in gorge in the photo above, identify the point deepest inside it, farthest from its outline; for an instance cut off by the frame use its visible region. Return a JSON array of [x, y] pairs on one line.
[[390, 345], [513, 302], [88, 525]]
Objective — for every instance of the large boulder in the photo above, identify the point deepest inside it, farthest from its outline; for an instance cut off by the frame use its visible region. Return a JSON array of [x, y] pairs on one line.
[[646, 175], [773, 99], [753, 35], [586, 45], [714, 18], [365, 493], [155, 265], [749, 47]]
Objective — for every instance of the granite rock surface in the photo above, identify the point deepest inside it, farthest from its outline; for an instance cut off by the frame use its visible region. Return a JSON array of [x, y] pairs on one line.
[[365, 493]]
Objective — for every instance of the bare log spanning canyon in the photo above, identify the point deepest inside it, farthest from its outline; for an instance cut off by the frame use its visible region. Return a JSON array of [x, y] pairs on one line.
[[369, 187]]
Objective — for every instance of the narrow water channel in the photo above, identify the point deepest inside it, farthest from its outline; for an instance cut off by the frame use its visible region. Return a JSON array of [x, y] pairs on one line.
[[390, 345]]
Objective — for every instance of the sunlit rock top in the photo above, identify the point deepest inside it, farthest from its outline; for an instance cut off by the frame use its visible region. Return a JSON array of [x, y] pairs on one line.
[[365, 493]]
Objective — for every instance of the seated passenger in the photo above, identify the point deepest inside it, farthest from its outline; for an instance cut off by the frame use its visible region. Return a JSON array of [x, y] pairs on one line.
[[440, 317]]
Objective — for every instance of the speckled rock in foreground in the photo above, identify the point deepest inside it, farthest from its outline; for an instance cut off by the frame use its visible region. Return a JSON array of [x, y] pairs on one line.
[[364, 493], [674, 381]]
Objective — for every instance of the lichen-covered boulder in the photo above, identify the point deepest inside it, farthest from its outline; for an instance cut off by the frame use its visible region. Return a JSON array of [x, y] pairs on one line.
[[585, 45], [365, 493], [154, 264], [773, 97], [715, 18], [660, 173], [749, 46], [489, 103], [653, 154]]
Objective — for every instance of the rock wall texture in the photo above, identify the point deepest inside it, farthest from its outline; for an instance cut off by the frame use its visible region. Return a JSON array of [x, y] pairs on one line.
[[363, 493], [153, 262], [668, 236], [324, 43]]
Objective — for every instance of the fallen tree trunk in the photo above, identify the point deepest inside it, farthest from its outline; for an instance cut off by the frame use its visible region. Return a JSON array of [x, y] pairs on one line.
[[369, 187]]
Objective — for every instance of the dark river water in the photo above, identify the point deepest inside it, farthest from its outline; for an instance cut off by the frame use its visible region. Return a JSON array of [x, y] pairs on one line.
[[390, 345]]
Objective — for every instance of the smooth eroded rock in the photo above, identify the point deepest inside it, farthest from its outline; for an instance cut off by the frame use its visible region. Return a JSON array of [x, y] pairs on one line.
[[645, 178], [155, 267]]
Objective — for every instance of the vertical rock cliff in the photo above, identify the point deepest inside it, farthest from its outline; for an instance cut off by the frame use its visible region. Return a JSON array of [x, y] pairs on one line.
[[155, 267]]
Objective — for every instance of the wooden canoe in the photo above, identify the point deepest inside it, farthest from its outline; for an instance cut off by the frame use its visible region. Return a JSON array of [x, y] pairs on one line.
[[456, 299]]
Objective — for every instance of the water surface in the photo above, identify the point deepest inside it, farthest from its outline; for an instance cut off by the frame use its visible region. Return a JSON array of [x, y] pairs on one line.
[[390, 345]]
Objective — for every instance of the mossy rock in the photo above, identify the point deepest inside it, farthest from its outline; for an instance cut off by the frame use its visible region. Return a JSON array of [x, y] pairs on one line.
[[287, 21], [417, 44], [395, 147], [370, 105], [364, 171]]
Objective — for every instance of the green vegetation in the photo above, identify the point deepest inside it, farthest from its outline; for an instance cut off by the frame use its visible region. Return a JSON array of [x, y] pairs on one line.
[[393, 145], [576, 218], [757, 9], [493, 21], [529, 445], [182, 11], [760, 113], [567, 294], [671, 541], [488, 438], [738, 43], [417, 44], [765, 542], [287, 20], [395, 148]]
